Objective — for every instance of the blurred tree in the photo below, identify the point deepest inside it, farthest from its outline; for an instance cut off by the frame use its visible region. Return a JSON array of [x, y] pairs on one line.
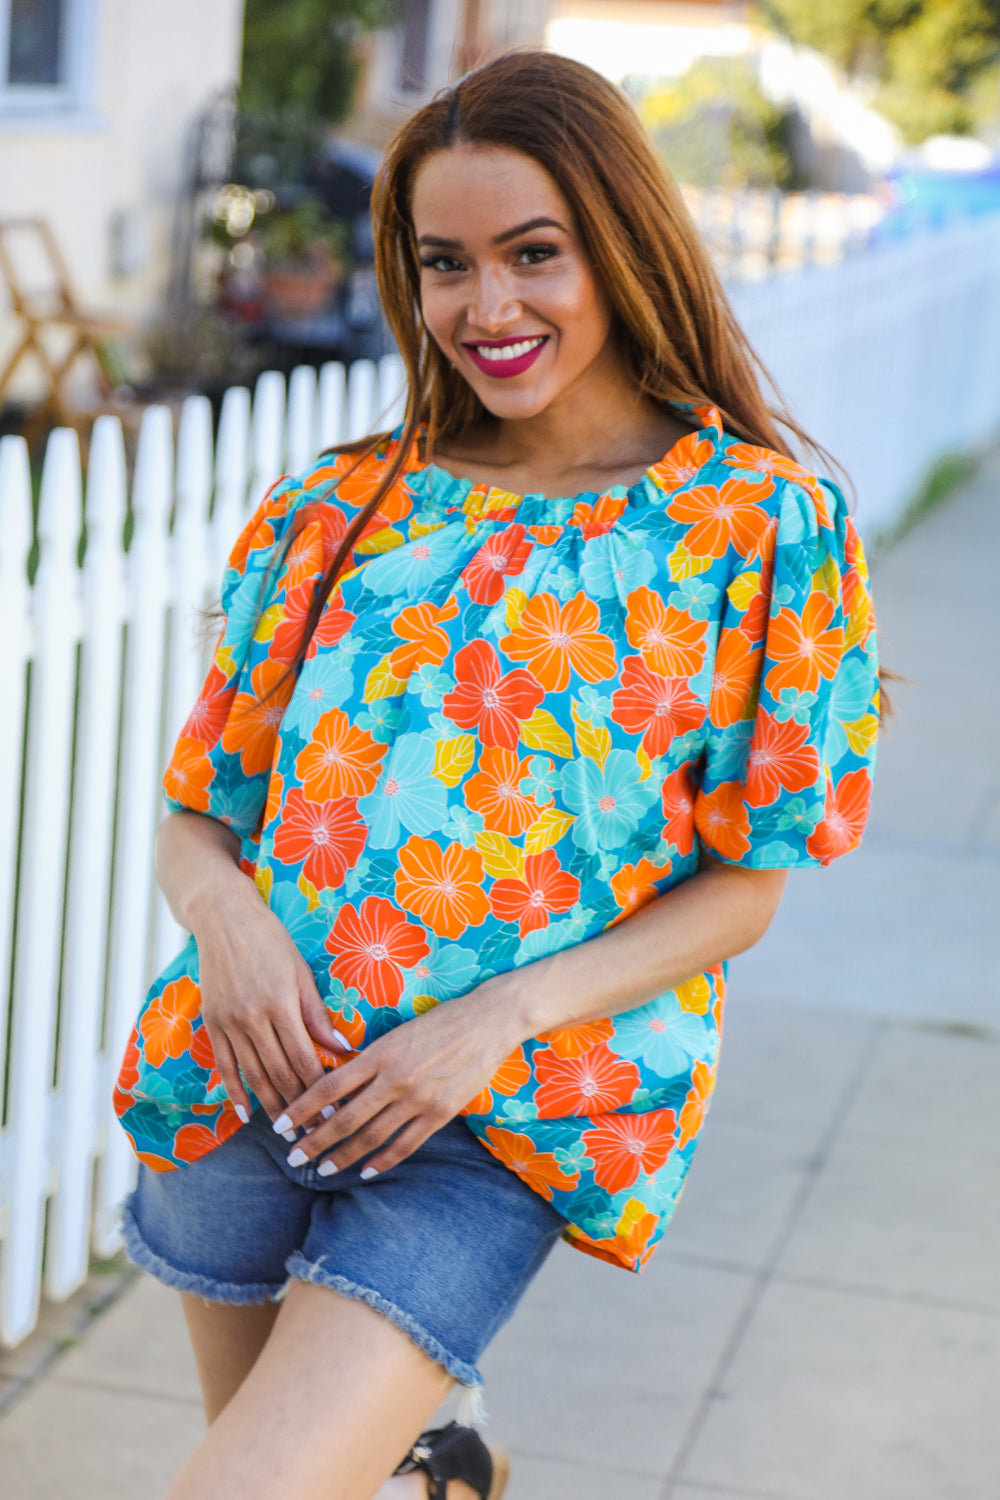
[[715, 128], [936, 63], [301, 54]]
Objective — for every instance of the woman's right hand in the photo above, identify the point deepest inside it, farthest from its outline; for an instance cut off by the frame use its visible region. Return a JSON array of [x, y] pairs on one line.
[[259, 1001]]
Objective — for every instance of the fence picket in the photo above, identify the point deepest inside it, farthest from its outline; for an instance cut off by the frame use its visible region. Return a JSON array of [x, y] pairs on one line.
[[15, 539], [268, 436], [391, 401], [302, 443], [362, 398], [232, 455], [40, 915], [89, 888], [332, 406], [138, 791]]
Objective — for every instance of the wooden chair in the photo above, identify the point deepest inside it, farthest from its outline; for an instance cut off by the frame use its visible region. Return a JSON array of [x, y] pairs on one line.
[[54, 306]]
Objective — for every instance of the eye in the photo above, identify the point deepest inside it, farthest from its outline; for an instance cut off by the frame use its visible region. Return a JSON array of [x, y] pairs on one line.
[[443, 263], [536, 255]]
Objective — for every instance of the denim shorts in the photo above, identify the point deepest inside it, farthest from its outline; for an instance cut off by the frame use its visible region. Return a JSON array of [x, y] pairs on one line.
[[443, 1244]]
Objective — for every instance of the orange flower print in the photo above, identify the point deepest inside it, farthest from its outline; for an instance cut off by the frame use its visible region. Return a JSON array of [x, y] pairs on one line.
[[503, 555], [633, 886], [623, 1145], [546, 888], [735, 678], [189, 775], [441, 887], [682, 462], [658, 708], [358, 483], [722, 518], [597, 517], [340, 759], [128, 1073], [545, 536], [327, 837], [255, 717], [574, 1041], [779, 760], [290, 630], [678, 794], [334, 622], [802, 648], [696, 1103], [595, 1083], [305, 557], [765, 461], [844, 818], [494, 792], [671, 643], [539, 1169], [552, 638], [512, 1074], [631, 1246], [493, 703], [193, 1141], [422, 628], [165, 1024], [275, 792], [201, 1048], [755, 619], [207, 719], [722, 820], [371, 946]]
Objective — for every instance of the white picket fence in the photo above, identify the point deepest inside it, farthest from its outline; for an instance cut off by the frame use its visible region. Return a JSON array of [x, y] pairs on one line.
[[890, 359]]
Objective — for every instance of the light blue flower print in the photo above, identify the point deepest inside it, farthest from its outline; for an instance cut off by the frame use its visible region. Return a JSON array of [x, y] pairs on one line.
[[541, 782], [666, 1038], [463, 825], [850, 699], [447, 970], [564, 583], [774, 856], [730, 751], [684, 747], [407, 793], [615, 564], [308, 929], [608, 802], [410, 570], [324, 683], [594, 706], [520, 1111], [782, 595], [440, 728], [355, 878], [794, 705], [431, 683], [795, 814], [381, 719], [238, 804], [696, 595], [546, 940]]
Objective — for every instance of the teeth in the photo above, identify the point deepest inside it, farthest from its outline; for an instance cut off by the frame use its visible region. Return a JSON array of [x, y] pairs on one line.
[[511, 351]]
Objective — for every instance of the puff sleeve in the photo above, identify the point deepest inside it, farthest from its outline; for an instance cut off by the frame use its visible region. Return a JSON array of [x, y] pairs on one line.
[[793, 711], [221, 761]]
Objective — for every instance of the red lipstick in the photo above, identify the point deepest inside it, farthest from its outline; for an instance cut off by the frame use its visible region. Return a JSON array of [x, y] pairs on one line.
[[502, 365]]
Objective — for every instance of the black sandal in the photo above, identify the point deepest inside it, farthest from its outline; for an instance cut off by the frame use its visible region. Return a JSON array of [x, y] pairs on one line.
[[454, 1452]]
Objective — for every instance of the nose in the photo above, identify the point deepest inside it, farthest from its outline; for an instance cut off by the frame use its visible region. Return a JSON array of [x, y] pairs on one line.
[[493, 304]]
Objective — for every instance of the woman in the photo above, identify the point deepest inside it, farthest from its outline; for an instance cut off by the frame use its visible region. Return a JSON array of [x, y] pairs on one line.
[[527, 708]]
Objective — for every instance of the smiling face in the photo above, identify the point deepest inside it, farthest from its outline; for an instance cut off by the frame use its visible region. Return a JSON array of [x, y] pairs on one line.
[[506, 287]]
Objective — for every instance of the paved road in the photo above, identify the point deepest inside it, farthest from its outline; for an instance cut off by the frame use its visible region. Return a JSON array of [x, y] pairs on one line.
[[822, 1321]]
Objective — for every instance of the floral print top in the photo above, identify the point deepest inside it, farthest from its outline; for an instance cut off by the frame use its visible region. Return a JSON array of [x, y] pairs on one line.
[[519, 719]]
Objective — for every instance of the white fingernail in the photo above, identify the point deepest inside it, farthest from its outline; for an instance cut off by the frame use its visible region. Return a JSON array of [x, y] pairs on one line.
[[281, 1124], [289, 1135], [343, 1041], [297, 1158], [328, 1110], [242, 1114], [327, 1168], [369, 1173]]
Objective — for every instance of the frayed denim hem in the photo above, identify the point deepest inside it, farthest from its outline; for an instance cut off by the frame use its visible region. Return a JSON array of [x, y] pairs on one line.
[[301, 1269], [235, 1293]]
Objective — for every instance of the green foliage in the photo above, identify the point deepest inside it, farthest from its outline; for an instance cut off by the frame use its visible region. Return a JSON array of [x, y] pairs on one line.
[[299, 55], [714, 127], [936, 62]]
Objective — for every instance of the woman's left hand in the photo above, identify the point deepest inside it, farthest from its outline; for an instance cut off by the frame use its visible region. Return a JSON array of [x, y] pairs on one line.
[[406, 1084]]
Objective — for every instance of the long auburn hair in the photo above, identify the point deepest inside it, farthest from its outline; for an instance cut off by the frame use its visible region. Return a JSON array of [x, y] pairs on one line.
[[674, 322]]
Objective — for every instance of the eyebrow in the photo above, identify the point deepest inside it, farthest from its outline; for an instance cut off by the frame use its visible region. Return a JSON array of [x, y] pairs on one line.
[[498, 239]]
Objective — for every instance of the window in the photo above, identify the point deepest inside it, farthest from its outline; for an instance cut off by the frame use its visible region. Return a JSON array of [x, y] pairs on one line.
[[44, 56]]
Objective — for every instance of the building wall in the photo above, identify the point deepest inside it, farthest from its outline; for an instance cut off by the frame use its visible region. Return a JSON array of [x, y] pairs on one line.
[[106, 172]]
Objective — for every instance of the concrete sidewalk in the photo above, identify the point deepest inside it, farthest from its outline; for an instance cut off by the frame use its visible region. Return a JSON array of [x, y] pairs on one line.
[[822, 1321]]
